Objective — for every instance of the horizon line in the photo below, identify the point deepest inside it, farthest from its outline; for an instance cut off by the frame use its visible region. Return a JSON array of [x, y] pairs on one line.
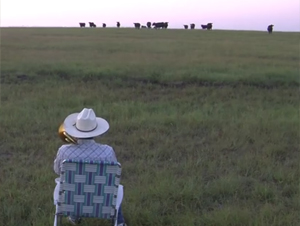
[[175, 28]]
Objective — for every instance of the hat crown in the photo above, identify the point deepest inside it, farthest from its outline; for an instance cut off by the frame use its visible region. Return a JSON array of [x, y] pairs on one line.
[[86, 120]]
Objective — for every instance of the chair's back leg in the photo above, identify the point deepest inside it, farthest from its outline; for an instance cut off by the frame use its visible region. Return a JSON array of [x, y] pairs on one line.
[[113, 221], [60, 220]]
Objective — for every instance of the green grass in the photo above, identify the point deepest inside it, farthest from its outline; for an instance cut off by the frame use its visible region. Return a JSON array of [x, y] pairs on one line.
[[204, 123]]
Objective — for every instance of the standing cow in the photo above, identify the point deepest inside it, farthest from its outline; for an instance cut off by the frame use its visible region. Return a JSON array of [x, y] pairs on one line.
[[149, 25], [161, 25], [137, 25], [270, 28], [92, 24], [118, 24], [209, 26], [185, 26], [104, 25], [82, 24], [192, 26]]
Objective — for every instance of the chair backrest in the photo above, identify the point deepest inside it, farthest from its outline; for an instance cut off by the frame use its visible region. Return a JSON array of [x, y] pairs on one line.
[[89, 188]]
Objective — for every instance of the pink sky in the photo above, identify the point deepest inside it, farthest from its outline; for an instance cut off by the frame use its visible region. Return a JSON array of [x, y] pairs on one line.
[[229, 14]]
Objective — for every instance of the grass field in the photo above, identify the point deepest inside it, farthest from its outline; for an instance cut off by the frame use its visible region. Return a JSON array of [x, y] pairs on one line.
[[204, 123]]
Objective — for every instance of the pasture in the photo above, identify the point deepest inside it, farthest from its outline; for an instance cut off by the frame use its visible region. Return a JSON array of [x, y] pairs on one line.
[[204, 123]]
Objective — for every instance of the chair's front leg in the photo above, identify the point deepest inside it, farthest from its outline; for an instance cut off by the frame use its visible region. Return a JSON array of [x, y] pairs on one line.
[[55, 220], [115, 219]]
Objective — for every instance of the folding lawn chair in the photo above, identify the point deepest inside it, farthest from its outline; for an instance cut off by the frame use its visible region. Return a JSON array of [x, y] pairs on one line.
[[89, 189]]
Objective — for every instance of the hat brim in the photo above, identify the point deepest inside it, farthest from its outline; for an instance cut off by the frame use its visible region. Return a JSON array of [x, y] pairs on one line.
[[70, 128]]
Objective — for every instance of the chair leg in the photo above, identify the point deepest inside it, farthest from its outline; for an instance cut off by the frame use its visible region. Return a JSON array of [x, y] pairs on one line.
[[55, 220], [115, 219], [58, 220]]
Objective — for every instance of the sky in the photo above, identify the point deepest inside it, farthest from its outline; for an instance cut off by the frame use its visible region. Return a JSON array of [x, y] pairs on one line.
[[228, 15]]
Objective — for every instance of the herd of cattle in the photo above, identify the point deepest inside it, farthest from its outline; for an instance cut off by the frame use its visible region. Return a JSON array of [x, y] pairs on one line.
[[164, 25], [203, 26], [155, 25]]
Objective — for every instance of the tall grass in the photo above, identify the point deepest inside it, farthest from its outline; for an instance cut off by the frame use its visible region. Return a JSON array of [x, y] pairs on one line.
[[204, 123]]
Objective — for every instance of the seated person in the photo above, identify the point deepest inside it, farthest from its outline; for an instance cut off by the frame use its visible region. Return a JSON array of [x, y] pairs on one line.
[[83, 127]]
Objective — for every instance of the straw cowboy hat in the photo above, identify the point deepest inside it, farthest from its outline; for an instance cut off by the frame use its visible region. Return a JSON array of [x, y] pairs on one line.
[[85, 124]]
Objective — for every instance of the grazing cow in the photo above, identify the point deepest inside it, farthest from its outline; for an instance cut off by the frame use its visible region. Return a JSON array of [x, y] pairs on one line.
[[118, 24], [82, 24], [149, 24], [137, 25], [104, 25], [270, 28], [192, 26], [208, 26], [154, 25], [144, 26], [185, 26], [160, 25], [92, 24]]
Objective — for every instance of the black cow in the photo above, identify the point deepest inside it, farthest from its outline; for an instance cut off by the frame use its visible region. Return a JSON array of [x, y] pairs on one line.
[[82, 24], [137, 25], [118, 24], [185, 26], [157, 25], [149, 24], [104, 25], [208, 26], [192, 26], [92, 24], [270, 28], [144, 26], [160, 25]]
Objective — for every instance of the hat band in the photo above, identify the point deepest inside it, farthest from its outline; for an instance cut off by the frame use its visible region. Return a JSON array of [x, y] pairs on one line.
[[85, 130]]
